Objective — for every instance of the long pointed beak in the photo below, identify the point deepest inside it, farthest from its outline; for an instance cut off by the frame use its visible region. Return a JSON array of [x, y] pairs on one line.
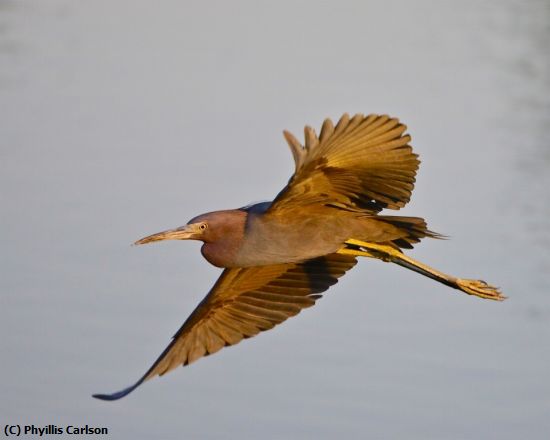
[[183, 233]]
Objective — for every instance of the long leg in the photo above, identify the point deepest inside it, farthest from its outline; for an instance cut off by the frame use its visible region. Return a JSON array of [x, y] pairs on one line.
[[387, 253]]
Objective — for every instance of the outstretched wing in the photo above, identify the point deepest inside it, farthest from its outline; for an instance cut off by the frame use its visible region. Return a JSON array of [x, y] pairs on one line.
[[362, 164], [242, 303]]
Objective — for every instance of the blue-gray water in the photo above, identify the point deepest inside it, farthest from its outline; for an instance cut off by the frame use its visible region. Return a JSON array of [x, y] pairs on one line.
[[119, 119]]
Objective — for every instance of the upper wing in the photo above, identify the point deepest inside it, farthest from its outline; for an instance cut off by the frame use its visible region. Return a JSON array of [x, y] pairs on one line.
[[242, 303], [364, 163]]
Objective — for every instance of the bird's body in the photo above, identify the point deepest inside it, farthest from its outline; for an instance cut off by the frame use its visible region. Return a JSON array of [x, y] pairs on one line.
[[279, 239], [254, 237], [278, 256]]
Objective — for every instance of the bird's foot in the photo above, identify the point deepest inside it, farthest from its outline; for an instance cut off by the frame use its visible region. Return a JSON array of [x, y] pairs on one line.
[[480, 288]]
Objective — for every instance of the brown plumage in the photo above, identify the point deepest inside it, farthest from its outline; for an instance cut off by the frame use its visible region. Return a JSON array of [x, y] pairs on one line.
[[279, 256]]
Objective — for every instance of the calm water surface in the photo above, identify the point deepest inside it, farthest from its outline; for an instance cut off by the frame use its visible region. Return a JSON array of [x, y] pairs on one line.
[[119, 119]]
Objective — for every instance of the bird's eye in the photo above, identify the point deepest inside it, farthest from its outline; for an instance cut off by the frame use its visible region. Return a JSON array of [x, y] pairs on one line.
[[203, 226]]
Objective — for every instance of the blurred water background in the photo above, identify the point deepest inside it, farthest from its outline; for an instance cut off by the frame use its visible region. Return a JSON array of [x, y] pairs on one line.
[[119, 119]]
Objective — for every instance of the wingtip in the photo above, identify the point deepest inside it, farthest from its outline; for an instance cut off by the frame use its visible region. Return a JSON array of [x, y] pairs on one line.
[[118, 395], [106, 397], [296, 148]]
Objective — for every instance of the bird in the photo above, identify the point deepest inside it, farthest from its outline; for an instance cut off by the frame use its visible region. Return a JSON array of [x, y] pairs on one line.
[[278, 257]]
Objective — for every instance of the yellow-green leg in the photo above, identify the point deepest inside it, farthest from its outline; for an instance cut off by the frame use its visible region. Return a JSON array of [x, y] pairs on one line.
[[387, 253]]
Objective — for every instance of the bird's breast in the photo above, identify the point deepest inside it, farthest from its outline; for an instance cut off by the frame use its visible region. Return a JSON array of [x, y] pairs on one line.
[[221, 253]]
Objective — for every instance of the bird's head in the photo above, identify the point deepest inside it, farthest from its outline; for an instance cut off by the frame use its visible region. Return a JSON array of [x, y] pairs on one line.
[[207, 227]]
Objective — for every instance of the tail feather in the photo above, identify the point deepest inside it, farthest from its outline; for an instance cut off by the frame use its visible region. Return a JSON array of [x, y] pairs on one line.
[[413, 230]]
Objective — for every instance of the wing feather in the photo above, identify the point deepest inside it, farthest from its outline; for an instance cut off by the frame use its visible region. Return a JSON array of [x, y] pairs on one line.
[[361, 164], [242, 303]]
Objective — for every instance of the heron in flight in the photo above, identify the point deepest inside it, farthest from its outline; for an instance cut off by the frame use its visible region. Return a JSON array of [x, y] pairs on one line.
[[279, 256]]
